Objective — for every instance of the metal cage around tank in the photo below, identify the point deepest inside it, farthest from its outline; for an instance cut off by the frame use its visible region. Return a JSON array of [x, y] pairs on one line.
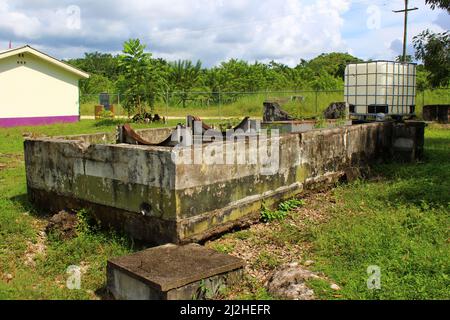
[[376, 87]]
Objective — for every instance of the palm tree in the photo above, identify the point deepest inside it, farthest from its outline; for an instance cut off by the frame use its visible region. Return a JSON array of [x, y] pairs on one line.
[[184, 76]]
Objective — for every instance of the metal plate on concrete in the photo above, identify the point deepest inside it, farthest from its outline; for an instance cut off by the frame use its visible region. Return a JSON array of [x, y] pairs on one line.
[[168, 267]]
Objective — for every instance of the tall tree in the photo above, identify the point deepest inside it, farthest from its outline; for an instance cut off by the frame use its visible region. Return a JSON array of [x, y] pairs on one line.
[[434, 50], [136, 81], [334, 63], [184, 76], [441, 4], [408, 58]]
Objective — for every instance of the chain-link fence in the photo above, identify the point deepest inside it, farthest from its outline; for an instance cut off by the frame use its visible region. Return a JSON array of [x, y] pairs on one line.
[[298, 103]]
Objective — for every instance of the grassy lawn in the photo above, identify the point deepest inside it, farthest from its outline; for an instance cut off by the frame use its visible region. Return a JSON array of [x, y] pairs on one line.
[[398, 221], [247, 104], [31, 265]]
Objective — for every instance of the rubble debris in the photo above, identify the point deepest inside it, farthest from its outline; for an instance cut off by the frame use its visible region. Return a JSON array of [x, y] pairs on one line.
[[246, 124], [157, 118], [289, 282], [148, 118], [128, 135], [63, 226], [35, 249], [308, 263], [142, 117], [335, 287], [336, 110]]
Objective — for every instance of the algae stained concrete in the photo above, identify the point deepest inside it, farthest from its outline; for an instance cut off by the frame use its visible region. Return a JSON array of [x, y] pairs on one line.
[[142, 191]]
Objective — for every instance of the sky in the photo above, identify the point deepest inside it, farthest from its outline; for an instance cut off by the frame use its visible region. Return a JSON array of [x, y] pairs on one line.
[[217, 30]]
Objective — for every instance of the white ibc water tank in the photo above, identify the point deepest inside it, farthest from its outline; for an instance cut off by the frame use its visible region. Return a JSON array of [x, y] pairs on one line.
[[370, 86]]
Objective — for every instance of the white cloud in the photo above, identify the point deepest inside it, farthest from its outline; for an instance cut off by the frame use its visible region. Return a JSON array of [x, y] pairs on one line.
[[210, 30], [18, 23], [386, 42]]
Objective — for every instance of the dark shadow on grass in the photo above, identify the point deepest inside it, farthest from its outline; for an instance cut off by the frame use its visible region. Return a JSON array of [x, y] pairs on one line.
[[109, 122], [24, 202], [426, 183], [104, 294]]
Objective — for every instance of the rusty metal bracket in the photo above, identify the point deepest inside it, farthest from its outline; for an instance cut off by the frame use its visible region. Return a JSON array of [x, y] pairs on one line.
[[126, 134]]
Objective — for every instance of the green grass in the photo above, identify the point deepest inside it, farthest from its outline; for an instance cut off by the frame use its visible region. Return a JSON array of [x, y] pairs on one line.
[[223, 248], [400, 223], [20, 224], [436, 96], [267, 260], [247, 104]]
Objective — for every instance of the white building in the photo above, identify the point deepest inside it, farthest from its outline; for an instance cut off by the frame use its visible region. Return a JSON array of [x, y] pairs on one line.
[[37, 89]]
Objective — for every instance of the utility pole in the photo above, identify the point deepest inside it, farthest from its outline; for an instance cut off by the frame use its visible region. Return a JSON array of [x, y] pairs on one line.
[[405, 28]]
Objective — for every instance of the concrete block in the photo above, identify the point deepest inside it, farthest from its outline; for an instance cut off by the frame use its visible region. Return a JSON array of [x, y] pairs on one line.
[[436, 112], [172, 272]]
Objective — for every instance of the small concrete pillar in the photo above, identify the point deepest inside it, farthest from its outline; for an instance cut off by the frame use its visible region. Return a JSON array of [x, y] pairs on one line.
[[436, 112]]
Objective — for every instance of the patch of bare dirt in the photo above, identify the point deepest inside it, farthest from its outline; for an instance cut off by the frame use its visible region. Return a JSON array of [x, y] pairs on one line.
[[267, 247], [10, 160], [6, 277], [35, 249]]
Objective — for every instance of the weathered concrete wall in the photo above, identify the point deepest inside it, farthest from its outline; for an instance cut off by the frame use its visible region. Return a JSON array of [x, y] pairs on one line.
[[151, 135], [117, 182], [210, 196], [304, 125], [140, 189]]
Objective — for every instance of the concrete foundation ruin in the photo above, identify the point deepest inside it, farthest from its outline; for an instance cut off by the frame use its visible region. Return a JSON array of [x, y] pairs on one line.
[[142, 191]]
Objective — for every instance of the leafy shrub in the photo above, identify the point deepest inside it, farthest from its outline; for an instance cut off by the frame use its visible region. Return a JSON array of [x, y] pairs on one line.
[[86, 222], [268, 215], [106, 114], [291, 204]]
